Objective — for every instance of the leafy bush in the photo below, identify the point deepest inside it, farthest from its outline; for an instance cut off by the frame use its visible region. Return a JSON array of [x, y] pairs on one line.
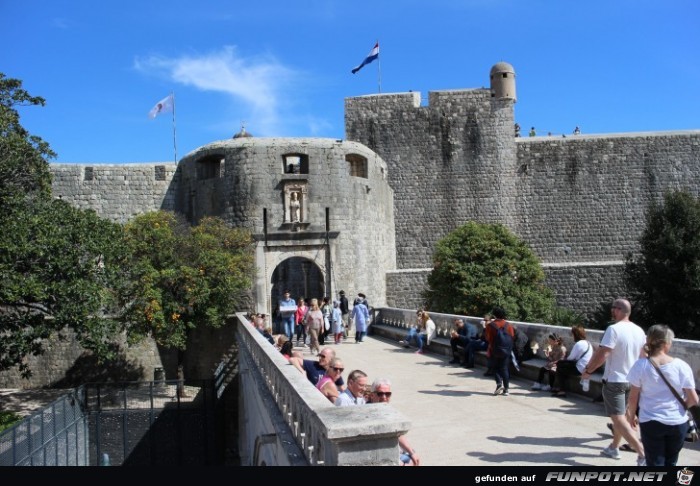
[[478, 266], [8, 419]]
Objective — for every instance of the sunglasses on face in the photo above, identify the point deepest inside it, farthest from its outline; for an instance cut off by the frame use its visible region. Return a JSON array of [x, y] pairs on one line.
[[339, 370], [383, 394]]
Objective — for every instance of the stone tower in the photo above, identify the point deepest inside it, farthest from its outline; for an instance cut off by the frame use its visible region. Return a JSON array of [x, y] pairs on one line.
[[449, 161], [503, 81]]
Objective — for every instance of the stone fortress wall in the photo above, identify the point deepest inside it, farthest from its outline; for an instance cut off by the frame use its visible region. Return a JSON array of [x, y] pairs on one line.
[[578, 201], [117, 191]]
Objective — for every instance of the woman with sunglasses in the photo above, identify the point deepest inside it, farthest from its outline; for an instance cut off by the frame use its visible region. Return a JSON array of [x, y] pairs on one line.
[[327, 384]]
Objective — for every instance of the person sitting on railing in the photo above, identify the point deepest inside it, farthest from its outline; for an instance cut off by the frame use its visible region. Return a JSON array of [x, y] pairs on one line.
[[354, 394], [478, 343], [327, 384], [554, 351], [461, 335], [381, 393], [424, 331], [314, 370]]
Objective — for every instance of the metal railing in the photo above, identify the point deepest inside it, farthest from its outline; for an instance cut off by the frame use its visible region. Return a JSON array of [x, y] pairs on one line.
[[151, 423], [54, 436]]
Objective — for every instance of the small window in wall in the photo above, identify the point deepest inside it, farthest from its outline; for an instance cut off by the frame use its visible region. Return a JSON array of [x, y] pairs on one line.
[[89, 174], [209, 167], [295, 163], [160, 172], [357, 165]]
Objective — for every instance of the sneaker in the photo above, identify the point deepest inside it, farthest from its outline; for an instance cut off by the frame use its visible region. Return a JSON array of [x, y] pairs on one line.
[[499, 390], [546, 388], [420, 351], [536, 386], [505, 393], [611, 452], [641, 461]]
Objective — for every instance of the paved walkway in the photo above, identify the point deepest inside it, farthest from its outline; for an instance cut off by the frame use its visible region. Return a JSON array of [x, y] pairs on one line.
[[458, 422]]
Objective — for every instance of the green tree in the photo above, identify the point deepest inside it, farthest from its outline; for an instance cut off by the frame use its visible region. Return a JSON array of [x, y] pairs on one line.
[[664, 277], [56, 261], [56, 268], [24, 169], [479, 266], [183, 277]]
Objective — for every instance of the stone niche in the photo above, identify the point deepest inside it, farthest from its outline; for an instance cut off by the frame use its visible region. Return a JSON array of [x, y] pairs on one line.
[[295, 203]]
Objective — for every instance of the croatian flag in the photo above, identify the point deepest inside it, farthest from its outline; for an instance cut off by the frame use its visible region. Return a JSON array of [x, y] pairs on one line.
[[373, 54], [166, 104]]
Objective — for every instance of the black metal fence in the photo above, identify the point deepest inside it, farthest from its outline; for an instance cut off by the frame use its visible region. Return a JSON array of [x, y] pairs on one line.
[[152, 423], [54, 436], [136, 423]]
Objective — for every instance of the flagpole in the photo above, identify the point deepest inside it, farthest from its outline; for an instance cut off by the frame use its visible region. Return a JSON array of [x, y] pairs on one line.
[[174, 132], [379, 70]]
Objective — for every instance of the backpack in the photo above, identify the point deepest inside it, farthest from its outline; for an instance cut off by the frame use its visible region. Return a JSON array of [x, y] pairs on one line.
[[503, 342]]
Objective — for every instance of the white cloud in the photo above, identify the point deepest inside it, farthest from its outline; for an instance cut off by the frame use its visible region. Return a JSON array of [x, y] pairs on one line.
[[261, 83]]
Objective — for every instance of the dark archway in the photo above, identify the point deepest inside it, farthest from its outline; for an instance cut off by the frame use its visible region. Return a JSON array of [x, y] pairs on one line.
[[301, 276]]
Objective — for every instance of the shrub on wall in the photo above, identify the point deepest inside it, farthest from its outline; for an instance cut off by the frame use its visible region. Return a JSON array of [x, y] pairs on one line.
[[479, 266], [665, 276]]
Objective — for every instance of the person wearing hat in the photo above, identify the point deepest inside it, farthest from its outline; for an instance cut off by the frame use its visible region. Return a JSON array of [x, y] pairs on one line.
[[363, 299], [345, 311]]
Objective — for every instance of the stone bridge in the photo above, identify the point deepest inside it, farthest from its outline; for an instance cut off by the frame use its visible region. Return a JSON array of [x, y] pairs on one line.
[[449, 413]]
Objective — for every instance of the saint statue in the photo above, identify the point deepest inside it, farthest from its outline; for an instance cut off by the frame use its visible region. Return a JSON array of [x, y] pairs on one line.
[[295, 208]]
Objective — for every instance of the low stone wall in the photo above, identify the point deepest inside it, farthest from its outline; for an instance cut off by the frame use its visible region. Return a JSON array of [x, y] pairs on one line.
[[66, 364], [284, 420], [685, 349], [581, 287]]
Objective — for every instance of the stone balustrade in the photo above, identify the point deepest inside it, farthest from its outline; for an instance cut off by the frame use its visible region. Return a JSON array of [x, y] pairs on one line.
[[285, 420], [685, 349]]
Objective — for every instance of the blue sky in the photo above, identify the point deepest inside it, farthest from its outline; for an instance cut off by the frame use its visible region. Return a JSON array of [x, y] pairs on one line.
[[283, 67]]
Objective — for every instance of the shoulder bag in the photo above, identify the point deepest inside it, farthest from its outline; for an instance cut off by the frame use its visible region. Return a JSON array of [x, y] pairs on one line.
[[694, 411]]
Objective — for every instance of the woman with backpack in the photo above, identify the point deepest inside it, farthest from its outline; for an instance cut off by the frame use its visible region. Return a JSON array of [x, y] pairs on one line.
[[500, 335]]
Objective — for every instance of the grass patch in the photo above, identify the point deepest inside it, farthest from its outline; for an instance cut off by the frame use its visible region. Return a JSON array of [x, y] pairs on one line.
[[8, 419]]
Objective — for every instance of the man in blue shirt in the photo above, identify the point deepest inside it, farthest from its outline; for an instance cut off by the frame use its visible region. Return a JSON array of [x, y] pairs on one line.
[[461, 335]]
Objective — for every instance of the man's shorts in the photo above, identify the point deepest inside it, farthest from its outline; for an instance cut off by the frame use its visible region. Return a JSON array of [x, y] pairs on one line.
[[615, 397]]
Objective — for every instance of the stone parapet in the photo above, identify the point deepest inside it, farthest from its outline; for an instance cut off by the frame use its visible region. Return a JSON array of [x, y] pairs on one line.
[[284, 420]]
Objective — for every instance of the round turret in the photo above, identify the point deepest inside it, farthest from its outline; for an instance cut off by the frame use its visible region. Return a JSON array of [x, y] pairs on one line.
[[503, 81]]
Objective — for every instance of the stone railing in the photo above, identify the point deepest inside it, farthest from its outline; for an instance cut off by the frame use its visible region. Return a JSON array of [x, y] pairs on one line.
[[685, 349], [285, 420]]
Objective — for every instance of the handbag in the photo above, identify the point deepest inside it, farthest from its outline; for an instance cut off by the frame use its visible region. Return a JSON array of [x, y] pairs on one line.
[[694, 411]]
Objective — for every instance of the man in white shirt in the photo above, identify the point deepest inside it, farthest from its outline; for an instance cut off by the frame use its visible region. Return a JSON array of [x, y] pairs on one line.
[[354, 394], [621, 346]]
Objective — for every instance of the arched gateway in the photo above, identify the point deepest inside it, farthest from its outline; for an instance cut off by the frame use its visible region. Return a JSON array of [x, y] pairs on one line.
[[321, 212]]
